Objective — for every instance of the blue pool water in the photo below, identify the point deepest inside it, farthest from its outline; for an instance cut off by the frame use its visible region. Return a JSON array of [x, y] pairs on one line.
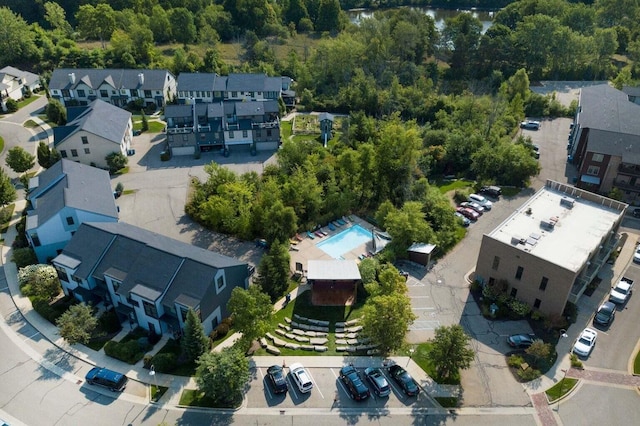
[[345, 241]]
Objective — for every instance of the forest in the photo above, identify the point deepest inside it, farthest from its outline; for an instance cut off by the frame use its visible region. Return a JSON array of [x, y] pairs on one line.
[[422, 103]]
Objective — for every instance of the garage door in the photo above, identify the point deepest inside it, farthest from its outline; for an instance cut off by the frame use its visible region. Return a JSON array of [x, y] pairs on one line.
[[182, 150], [267, 146]]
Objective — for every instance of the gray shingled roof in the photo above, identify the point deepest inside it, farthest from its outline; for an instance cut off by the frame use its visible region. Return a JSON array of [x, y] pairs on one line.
[[195, 81], [99, 118], [149, 259], [118, 78], [29, 77], [74, 185], [253, 83], [86, 246], [606, 108], [631, 90]]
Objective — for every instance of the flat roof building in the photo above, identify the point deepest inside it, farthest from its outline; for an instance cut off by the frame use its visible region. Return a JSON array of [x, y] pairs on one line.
[[549, 250]]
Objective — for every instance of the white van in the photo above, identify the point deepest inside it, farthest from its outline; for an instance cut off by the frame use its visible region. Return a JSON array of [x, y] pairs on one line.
[[481, 200]]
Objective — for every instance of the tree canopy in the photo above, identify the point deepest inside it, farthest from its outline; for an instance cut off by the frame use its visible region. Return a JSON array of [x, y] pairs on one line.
[[77, 323], [449, 351], [223, 375]]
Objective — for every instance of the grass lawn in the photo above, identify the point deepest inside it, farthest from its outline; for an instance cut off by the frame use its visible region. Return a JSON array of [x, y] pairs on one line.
[[446, 401], [157, 392], [30, 124], [285, 129], [446, 185], [154, 126], [561, 388], [195, 398], [5, 217], [26, 101], [636, 364], [1, 144], [173, 347]]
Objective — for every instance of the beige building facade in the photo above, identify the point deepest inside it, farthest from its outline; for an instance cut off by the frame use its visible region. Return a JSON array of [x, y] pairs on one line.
[[547, 252]]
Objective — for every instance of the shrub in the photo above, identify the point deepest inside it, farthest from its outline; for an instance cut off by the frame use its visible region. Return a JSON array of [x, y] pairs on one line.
[[519, 308], [42, 307], [165, 362], [575, 362], [119, 188], [12, 105], [461, 195], [570, 312], [515, 361], [147, 360], [537, 316], [109, 321], [529, 374], [222, 329], [24, 256], [129, 352]]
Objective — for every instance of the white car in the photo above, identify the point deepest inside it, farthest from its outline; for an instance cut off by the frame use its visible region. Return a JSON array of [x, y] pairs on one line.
[[481, 200], [636, 255], [585, 343], [621, 292], [301, 377]]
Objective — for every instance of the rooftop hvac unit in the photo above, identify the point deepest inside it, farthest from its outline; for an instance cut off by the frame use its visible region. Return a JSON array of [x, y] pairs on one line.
[[567, 202], [547, 223], [515, 240]]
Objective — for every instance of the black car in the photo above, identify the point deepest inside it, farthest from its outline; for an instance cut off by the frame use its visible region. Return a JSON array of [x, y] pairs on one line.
[[377, 381], [491, 191], [404, 380], [520, 340], [356, 387], [276, 376], [109, 379], [606, 313]]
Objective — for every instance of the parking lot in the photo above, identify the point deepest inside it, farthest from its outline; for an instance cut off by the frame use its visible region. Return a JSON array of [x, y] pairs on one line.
[[328, 390]]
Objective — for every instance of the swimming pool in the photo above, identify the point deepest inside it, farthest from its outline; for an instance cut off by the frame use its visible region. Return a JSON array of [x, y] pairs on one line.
[[345, 241]]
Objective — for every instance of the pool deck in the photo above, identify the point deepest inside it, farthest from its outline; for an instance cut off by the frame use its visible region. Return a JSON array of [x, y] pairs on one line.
[[306, 249]]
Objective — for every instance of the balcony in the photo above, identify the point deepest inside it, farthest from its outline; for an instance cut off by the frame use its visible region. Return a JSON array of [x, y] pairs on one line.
[[629, 169], [179, 130], [626, 186], [268, 125]]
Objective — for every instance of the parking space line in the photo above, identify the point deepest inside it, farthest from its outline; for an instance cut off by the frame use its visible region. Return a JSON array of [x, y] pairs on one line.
[[315, 384], [266, 388], [292, 385], [392, 383]]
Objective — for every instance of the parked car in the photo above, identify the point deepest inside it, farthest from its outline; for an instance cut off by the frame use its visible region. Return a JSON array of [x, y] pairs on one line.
[[585, 343], [636, 254], [536, 151], [377, 381], [605, 314], [486, 204], [520, 340], [465, 220], [491, 191], [468, 213], [530, 125], [301, 377], [355, 386], [621, 292], [276, 377], [109, 379], [636, 212], [404, 380], [474, 206]]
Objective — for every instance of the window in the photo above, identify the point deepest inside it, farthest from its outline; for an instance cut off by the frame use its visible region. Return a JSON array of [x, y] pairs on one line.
[[123, 91], [78, 280], [593, 170], [244, 134], [230, 134], [514, 291], [220, 283], [252, 94], [104, 94], [597, 158], [81, 93], [150, 309], [258, 133], [70, 220], [134, 93], [62, 274], [35, 240], [87, 151], [147, 93], [543, 284], [234, 94], [268, 133], [63, 154], [496, 263], [116, 285], [537, 303], [183, 314], [74, 152], [85, 140], [519, 272], [65, 93]]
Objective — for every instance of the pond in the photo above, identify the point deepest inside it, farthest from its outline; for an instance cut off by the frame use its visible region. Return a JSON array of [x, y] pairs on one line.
[[438, 15]]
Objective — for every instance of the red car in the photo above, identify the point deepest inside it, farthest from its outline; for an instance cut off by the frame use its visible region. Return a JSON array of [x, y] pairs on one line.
[[468, 213]]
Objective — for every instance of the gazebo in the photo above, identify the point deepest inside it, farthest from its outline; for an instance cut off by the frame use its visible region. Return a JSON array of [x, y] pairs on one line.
[[333, 282]]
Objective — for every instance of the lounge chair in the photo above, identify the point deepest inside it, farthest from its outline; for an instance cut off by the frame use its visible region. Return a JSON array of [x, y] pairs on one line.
[[323, 232], [319, 234], [298, 237], [336, 224], [331, 226], [294, 248], [352, 218], [310, 235], [293, 241], [341, 222], [346, 219]]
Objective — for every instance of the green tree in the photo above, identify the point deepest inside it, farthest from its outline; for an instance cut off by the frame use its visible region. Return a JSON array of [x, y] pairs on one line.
[[116, 161], [223, 375], [145, 121], [77, 324], [539, 350], [55, 15], [17, 43], [386, 319], [39, 281], [7, 190], [275, 270], [96, 22], [251, 311], [47, 157], [20, 160], [328, 16], [194, 342], [449, 351], [56, 112], [183, 27], [160, 24]]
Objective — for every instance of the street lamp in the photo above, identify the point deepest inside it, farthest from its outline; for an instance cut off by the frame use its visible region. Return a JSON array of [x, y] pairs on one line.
[[152, 373], [411, 350], [563, 333]]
